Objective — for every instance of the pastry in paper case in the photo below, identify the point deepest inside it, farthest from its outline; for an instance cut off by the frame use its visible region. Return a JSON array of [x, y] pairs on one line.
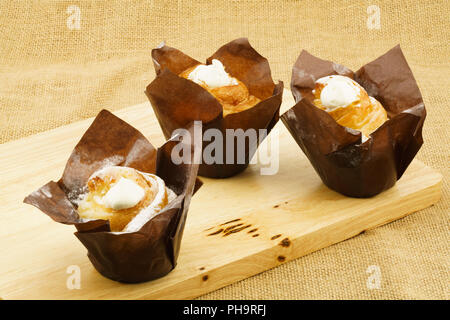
[[345, 161], [232, 90], [127, 199]]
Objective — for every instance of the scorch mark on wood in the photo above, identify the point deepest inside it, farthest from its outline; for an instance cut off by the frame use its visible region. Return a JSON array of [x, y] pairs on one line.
[[285, 242]]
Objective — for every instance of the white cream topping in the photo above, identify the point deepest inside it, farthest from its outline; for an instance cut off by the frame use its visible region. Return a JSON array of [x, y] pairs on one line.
[[159, 187], [123, 195], [338, 91], [212, 75], [126, 194]]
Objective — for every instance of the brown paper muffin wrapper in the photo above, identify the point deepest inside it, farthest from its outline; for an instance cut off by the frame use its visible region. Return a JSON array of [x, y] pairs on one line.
[[148, 253], [178, 102], [344, 163]]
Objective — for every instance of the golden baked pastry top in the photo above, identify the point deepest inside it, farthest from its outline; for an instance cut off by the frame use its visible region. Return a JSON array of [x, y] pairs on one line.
[[94, 204], [364, 113], [233, 98]]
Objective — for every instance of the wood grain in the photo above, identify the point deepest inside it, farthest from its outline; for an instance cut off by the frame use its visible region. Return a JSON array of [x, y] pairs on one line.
[[281, 217]]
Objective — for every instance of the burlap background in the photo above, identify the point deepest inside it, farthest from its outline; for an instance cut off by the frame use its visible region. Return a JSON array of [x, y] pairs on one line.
[[51, 75]]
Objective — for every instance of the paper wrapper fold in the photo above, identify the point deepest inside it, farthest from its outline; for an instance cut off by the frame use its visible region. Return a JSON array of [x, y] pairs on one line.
[[344, 163], [177, 102], [148, 253]]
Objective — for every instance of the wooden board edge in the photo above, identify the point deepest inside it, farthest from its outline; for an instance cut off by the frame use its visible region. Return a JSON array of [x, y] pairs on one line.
[[270, 258]]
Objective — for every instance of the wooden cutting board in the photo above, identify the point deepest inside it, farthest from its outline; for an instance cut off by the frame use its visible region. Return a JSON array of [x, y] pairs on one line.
[[236, 227]]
